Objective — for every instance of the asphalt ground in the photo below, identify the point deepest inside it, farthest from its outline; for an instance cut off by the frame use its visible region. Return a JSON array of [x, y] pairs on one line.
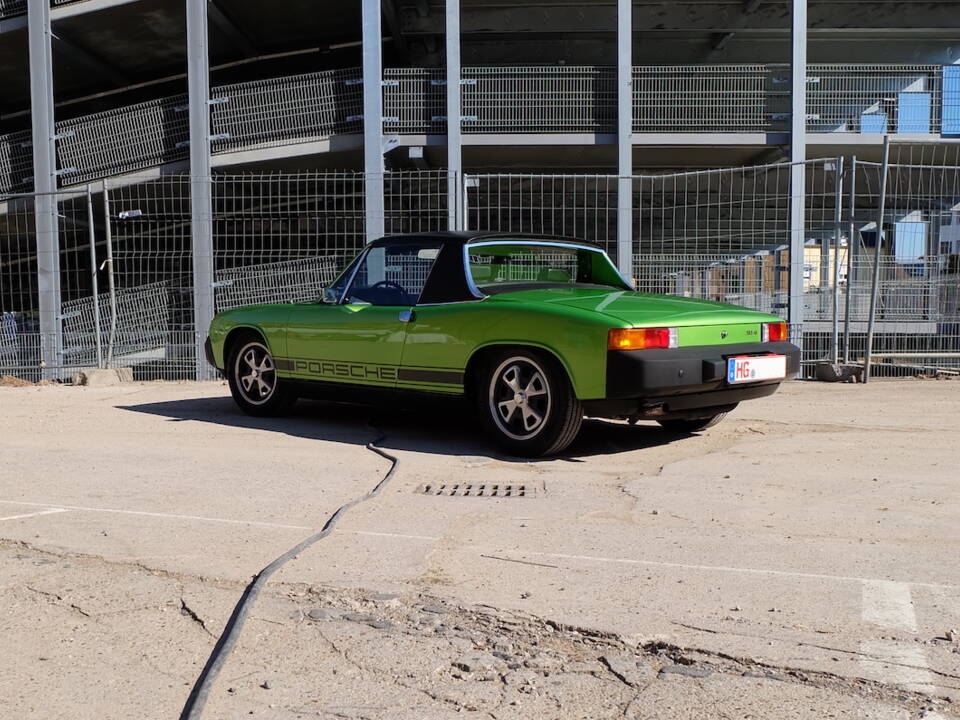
[[811, 539]]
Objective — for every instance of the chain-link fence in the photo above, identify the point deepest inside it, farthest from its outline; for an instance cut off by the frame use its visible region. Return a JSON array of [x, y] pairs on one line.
[[126, 276]]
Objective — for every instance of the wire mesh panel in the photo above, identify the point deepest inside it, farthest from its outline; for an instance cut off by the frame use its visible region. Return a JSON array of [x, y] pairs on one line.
[[415, 201], [539, 99], [140, 332], [700, 98], [282, 237], [152, 260], [414, 100], [121, 141], [500, 99], [21, 336], [16, 162], [19, 300], [281, 110], [289, 281], [581, 206], [874, 98]]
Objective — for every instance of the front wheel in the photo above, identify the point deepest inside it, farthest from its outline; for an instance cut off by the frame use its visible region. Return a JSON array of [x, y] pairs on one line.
[[691, 426], [253, 380], [527, 403]]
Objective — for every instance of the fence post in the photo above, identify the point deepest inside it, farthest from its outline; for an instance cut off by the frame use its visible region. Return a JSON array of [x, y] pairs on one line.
[[111, 289], [47, 227], [94, 285], [875, 280], [454, 126], [837, 225], [853, 241], [201, 180], [373, 120], [798, 156]]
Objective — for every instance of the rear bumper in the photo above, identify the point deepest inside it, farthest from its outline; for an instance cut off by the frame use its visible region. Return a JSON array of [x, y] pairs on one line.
[[680, 382], [655, 373]]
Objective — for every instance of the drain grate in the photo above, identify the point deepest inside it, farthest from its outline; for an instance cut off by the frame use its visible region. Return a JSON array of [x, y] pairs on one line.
[[493, 490]]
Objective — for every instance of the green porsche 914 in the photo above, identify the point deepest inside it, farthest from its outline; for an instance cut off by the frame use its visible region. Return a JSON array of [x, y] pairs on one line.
[[535, 332]]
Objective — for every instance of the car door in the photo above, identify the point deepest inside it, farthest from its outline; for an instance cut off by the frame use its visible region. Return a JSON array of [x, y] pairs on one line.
[[359, 339]]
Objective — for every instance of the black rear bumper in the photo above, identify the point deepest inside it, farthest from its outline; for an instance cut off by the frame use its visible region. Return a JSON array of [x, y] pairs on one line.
[[679, 382]]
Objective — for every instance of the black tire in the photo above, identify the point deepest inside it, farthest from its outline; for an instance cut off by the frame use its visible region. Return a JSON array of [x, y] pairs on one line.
[[543, 414], [692, 426], [253, 380]]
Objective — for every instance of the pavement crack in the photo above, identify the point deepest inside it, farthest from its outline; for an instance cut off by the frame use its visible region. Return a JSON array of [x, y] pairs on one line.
[[187, 611], [803, 643], [58, 600]]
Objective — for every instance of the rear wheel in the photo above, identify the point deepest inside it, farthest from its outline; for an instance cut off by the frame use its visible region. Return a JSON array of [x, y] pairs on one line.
[[527, 403], [690, 426], [254, 384]]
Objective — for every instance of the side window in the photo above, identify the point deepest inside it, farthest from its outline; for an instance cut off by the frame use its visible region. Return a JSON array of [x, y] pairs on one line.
[[393, 274]]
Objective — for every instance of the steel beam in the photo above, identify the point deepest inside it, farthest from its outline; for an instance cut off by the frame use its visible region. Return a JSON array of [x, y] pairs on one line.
[[625, 137], [45, 184], [201, 180], [373, 120], [684, 17], [798, 155], [454, 123]]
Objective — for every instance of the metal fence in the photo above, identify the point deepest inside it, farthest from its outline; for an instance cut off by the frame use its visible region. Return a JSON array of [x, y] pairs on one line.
[[503, 100], [126, 280]]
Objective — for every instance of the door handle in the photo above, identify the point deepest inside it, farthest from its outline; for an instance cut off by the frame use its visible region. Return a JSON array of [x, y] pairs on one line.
[[406, 316]]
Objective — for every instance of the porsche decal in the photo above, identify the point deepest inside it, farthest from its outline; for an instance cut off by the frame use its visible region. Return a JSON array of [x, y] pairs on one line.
[[347, 371]]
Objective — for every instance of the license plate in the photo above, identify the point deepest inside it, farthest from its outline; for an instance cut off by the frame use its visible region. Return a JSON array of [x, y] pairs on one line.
[[753, 368]]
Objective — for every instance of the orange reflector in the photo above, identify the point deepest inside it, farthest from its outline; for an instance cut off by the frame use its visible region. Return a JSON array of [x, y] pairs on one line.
[[775, 332], [641, 338]]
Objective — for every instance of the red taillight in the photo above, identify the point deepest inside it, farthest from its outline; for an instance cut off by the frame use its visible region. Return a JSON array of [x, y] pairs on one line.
[[641, 338], [775, 332]]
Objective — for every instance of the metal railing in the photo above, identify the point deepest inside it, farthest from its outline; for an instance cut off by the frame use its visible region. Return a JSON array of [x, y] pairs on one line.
[[13, 8], [504, 100]]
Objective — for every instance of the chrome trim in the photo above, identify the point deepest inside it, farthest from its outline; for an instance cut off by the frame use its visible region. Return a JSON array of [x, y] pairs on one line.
[[471, 285]]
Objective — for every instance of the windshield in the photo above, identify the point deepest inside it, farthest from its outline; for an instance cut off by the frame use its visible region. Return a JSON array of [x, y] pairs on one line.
[[501, 267]]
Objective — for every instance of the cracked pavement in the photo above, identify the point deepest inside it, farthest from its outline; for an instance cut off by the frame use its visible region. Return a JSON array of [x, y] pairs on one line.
[[798, 560]]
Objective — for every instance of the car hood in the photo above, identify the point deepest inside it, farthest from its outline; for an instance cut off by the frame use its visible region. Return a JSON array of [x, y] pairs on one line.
[[640, 309]]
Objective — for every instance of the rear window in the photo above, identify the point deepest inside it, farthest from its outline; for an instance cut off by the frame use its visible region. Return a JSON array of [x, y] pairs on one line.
[[501, 267]]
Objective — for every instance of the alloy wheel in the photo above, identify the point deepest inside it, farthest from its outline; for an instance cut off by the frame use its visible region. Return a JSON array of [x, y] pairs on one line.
[[520, 398], [255, 373]]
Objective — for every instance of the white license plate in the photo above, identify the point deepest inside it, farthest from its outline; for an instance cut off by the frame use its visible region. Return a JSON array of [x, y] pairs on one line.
[[754, 368]]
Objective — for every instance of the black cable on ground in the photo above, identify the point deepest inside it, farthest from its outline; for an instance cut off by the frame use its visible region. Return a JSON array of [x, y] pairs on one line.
[[221, 651]]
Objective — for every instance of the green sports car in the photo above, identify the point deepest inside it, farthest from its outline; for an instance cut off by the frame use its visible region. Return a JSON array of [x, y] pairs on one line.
[[535, 332]]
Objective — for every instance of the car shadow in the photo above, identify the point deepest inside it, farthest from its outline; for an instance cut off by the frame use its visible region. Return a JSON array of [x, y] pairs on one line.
[[441, 429]]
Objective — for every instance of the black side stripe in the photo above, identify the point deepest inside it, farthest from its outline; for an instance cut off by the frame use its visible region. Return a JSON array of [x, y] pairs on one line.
[[281, 364], [430, 376]]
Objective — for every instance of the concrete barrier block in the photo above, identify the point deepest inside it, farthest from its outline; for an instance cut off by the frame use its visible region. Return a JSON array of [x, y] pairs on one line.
[[97, 377]]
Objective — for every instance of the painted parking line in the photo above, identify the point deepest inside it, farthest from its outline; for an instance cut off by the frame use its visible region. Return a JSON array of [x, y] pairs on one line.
[[51, 511], [889, 606], [169, 516], [659, 563]]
